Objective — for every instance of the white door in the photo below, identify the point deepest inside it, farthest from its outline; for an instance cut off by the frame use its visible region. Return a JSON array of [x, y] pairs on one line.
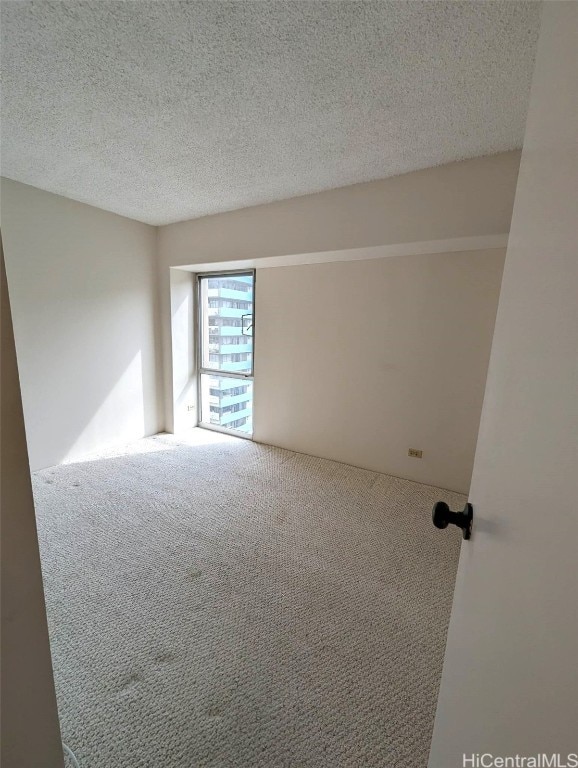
[[510, 680]]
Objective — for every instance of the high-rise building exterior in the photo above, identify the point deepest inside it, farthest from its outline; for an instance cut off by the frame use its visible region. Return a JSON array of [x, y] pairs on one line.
[[227, 318]]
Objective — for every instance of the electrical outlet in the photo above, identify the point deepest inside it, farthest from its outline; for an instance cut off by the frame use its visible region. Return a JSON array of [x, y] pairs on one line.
[[414, 453]]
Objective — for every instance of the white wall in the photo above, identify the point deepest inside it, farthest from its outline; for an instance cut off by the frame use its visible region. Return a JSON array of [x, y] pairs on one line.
[[510, 680], [183, 357], [83, 286], [360, 361], [454, 203], [84, 303], [473, 197], [30, 730]]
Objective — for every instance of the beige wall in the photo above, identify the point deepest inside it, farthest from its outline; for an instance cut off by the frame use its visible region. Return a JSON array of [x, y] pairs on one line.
[[84, 300], [30, 730], [465, 199], [360, 361], [456, 206], [183, 357], [510, 677], [84, 289]]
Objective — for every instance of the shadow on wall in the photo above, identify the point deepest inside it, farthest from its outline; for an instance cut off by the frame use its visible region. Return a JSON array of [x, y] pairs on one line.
[[88, 373], [84, 294], [123, 406]]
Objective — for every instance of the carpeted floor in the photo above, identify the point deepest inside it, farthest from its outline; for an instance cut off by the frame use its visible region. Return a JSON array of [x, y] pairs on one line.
[[215, 602]]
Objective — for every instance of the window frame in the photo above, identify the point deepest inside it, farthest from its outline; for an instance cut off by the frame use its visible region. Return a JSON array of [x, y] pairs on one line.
[[200, 345], [199, 342]]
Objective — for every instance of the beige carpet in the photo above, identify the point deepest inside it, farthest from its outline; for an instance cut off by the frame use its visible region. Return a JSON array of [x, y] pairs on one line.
[[214, 602]]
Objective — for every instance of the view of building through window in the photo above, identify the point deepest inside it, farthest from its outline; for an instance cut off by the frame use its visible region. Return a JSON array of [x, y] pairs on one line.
[[226, 329]]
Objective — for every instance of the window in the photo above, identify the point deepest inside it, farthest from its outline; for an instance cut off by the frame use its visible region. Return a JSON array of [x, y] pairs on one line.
[[226, 307]]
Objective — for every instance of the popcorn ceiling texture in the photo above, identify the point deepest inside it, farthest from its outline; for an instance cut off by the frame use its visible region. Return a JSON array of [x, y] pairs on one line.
[[163, 111], [215, 603]]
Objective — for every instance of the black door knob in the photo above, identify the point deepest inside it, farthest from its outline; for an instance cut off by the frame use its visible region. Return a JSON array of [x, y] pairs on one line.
[[442, 516]]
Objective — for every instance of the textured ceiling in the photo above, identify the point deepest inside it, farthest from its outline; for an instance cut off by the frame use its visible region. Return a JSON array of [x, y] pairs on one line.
[[164, 111]]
